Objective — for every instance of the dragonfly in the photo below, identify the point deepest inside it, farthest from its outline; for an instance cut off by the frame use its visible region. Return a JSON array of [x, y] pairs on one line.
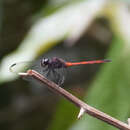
[[51, 66]]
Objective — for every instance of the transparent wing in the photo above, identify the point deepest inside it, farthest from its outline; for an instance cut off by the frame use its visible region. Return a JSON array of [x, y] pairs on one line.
[[20, 67], [59, 75], [55, 75]]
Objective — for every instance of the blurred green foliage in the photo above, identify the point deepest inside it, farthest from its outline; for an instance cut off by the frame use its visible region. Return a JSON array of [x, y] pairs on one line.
[[109, 91], [65, 115]]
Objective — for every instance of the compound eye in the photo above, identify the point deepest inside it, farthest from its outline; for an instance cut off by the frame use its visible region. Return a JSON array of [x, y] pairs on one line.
[[44, 62]]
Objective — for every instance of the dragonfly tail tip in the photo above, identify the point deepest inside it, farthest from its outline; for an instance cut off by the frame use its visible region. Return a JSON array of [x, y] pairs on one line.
[[107, 60]]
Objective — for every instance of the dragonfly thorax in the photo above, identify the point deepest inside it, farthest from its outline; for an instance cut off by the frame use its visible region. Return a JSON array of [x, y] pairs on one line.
[[53, 63], [56, 63]]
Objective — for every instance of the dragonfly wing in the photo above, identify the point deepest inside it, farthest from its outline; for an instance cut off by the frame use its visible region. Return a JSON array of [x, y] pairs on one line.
[[20, 67], [59, 75], [55, 75]]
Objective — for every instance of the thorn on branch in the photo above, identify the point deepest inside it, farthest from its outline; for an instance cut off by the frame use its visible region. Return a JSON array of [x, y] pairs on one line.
[[129, 121], [81, 112]]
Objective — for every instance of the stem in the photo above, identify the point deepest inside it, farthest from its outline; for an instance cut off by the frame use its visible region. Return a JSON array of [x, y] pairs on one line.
[[88, 109]]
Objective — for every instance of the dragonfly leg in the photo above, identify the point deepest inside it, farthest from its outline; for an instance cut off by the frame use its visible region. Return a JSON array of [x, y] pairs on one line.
[[45, 70], [61, 81], [48, 73]]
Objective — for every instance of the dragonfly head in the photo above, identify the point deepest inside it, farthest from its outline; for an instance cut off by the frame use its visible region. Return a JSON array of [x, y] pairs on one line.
[[44, 62]]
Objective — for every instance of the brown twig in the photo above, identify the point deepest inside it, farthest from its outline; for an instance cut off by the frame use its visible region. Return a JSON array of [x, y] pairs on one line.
[[83, 106]]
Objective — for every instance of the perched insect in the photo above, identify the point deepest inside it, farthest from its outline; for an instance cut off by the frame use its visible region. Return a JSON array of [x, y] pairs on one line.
[[53, 65]]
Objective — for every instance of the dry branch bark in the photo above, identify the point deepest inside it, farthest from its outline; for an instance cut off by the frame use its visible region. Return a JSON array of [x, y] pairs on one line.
[[82, 105]]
